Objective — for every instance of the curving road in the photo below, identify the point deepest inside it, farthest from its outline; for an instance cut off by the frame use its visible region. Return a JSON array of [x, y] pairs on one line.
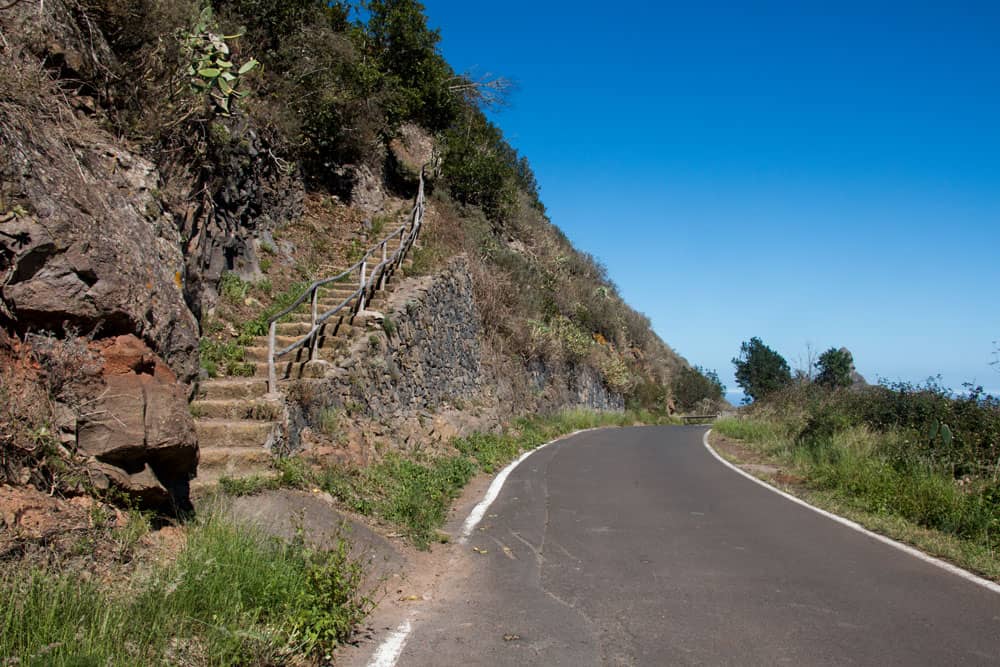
[[636, 547]]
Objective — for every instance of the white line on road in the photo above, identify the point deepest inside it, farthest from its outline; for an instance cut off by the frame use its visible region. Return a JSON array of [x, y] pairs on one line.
[[944, 565], [479, 511], [390, 650]]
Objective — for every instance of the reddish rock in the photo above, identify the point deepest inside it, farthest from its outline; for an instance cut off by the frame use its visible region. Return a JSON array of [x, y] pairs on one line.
[[139, 428]]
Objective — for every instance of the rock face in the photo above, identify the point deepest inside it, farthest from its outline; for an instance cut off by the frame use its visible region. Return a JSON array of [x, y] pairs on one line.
[[408, 153], [139, 429], [246, 193], [91, 251], [571, 386]]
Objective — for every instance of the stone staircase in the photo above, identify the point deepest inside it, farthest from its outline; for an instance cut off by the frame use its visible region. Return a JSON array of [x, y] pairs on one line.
[[237, 421]]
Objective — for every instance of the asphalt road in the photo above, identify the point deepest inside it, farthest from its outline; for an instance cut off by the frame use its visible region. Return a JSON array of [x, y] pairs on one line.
[[636, 547]]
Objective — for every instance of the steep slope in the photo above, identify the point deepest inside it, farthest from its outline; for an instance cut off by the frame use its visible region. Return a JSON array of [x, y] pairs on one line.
[[174, 172]]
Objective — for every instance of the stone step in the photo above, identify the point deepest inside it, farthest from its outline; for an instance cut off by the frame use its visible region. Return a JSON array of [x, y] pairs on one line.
[[296, 369], [213, 433], [230, 388], [293, 330], [237, 408], [218, 462], [328, 348], [328, 335], [306, 316]]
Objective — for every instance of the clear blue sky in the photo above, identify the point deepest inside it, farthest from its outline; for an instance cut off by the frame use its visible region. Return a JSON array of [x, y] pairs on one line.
[[803, 172]]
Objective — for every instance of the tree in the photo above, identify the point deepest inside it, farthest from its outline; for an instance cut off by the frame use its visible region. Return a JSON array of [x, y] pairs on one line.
[[760, 370], [406, 49], [693, 386], [834, 368]]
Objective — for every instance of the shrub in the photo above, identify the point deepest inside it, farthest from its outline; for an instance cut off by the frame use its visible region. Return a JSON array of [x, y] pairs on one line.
[[233, 288]]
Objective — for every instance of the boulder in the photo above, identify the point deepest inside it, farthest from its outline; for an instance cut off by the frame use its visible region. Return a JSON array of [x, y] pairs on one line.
[[408, 152], [139, 427]]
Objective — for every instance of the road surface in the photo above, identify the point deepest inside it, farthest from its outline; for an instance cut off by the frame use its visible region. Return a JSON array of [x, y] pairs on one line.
[[636, 547]]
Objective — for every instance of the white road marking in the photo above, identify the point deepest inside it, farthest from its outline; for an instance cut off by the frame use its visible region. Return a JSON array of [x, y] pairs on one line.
[[390, 650], [479, 511], [916, 553]]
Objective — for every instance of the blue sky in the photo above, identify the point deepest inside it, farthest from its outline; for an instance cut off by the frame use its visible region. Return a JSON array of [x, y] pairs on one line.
[[824, 173]]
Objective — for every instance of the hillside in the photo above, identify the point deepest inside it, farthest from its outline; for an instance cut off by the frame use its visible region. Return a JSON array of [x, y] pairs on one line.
[[172, 173]]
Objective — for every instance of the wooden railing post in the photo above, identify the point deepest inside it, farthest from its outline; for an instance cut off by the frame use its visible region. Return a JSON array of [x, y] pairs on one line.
[[315, 334], [381, 276], [272, 376], [361, 299]]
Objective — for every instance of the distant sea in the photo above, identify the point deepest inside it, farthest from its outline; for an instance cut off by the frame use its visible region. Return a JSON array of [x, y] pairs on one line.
[[735, 397]]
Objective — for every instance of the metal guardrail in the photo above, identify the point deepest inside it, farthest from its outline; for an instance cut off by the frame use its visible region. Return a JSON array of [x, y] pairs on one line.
[[697, 419], [369, 281]]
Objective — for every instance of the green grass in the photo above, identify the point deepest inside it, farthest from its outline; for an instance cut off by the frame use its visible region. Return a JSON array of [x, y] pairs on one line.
[[258, 325], [224, 357], [233, 288], [233, 596], [751, 430]]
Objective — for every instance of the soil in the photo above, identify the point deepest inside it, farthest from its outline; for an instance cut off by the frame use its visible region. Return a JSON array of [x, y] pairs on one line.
[[755, 463], [419, 582], [78, 535]]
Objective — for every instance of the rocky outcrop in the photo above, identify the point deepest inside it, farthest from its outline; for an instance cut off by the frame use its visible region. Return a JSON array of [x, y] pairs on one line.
[[246, 192], [138, 429], [571, 385], [407, 154], [61, 35], [89, 255]]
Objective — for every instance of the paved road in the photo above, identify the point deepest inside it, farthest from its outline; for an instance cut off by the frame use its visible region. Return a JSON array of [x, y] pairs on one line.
[[636, 547]]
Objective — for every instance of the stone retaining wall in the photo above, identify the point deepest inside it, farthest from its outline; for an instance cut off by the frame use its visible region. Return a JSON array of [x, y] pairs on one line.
[[418, 378]]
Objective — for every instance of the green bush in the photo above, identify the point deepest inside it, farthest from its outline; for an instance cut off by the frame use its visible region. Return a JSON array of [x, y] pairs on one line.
[[834, 368]]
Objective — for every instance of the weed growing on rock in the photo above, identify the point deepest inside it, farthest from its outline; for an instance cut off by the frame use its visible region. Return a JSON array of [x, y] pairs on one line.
[[233, 288], [389, 326]]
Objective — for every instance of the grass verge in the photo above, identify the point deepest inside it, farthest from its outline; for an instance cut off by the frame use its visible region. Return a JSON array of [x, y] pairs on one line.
[[846, 473], [233, 596]]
